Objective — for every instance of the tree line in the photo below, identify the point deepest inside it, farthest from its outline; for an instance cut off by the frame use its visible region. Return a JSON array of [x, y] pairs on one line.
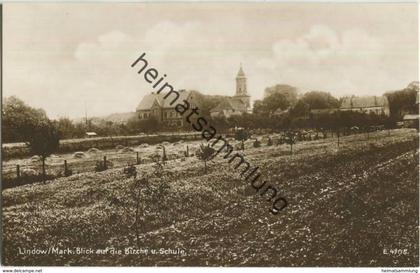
[[281, 109]]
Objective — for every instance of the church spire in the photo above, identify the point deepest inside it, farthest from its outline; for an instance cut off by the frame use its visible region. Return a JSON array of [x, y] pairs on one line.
[[241, 88], [241, 73], [241, 83]]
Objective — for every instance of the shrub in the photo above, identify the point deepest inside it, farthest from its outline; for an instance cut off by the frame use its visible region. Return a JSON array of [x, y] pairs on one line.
[[130, 171], [291, 139], [43, 140], [67, 172], [241, 135], [205, 153], [257, 143], [157, 166], [281, 140], [101, 166]]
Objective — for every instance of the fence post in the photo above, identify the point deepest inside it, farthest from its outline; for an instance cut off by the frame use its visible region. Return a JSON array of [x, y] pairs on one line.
[[105, 162], [137, 158], [44, 177], [18, 171], [338, 138], [65, 167]]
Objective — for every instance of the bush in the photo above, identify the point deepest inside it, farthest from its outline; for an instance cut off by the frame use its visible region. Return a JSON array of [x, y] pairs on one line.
[[68, 172], [100, 166], [257, 143], [281, 140], [205, 153], [130, 171]]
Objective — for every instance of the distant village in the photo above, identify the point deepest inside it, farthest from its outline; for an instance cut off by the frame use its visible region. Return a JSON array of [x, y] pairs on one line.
[[154, 105], [282, 108]]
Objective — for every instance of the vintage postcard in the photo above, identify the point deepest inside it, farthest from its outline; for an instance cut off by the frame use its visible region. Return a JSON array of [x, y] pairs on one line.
[[251, 134]]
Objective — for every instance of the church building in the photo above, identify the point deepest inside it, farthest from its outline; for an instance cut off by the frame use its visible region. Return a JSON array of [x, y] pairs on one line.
[[236, 105]]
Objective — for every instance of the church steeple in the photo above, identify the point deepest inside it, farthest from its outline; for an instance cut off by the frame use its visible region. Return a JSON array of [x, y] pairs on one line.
[[241, 83], [241, 73], [241, 88]]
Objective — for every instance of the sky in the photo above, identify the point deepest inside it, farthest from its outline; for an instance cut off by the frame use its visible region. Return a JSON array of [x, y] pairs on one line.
[[66, 58]]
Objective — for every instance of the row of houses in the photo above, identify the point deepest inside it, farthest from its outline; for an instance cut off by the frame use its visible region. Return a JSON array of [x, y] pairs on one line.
[[378, 105]]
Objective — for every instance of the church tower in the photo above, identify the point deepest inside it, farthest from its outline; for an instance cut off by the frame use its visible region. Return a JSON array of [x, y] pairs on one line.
[[241, 90]]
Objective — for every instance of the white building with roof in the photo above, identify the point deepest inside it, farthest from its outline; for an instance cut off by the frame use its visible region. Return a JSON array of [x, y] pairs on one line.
[[368, 104]]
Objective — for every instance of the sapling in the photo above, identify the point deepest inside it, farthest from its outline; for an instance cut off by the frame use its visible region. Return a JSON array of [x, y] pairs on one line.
[[205, 153]]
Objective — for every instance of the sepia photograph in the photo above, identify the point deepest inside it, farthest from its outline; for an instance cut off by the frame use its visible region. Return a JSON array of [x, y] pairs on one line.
[[209, 134]]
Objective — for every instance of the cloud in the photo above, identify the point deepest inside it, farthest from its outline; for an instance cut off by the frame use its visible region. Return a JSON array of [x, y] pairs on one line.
[[323, 58], [318, 59], [319, 43], [104, 48], [201, 47]]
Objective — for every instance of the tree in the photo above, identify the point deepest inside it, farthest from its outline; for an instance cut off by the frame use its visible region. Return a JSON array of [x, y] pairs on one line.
[[43, 141], [270, 104], [208, 102], [290, 139], [220, 123], [241, 135], [319, 100], [289, 92], [136, 125], [390, 123], [335, 123], [147, 193], [205, 153], [19, 120], [300, 109], [402, 101], [258, 107], [66, 128], [275, 102]]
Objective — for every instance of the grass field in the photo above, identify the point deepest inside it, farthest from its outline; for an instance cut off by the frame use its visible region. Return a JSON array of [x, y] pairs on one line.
[[348, 206]]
